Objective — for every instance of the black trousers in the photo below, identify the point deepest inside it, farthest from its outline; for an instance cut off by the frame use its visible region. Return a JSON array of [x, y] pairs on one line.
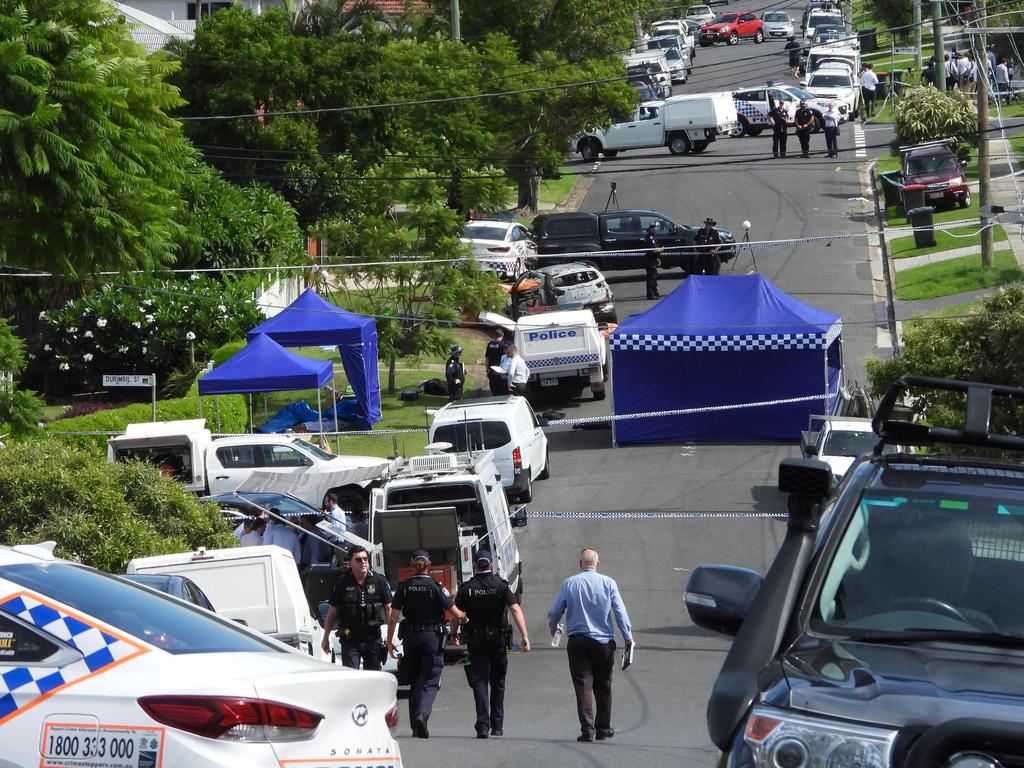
[[454, 391], [779, 142], [590, 667], [805, 140], [422, 662], [488, 665], [652, 282], [831, 140], [367, 651], [867, 101], [497, 383]]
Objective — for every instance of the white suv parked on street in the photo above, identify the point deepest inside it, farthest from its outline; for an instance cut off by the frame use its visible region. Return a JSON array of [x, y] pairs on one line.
[[506, 425]]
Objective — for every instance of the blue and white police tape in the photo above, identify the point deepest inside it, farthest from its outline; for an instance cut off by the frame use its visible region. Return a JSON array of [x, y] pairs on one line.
[[549, 515]]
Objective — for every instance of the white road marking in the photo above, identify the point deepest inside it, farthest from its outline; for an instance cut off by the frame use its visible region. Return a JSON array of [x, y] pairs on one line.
[[860, 142]]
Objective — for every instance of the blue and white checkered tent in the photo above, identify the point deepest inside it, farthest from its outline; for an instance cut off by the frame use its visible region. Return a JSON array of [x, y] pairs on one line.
[[723, 341]]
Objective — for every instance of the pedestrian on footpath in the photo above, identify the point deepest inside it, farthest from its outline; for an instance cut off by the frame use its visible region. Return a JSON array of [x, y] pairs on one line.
[[928, 73], [778, 118], [589, 600], [361, 601], [492, 355], [868, 86], [830, 124], [653, 261], [1003, 80], [804, 119], [455, 374], [487, 601], [952, 71], [793, 47], [968, 74], [516, 370], [424, 605]]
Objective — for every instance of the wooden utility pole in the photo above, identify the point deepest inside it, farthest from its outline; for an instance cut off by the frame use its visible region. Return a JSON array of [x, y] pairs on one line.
[[917, 36], [984, 164]]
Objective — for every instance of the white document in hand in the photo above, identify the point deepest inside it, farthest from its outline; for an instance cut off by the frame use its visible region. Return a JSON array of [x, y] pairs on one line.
[[627, 656]]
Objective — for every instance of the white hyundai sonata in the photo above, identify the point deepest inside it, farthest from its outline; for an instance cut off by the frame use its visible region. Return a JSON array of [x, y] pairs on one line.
[[97, 671]]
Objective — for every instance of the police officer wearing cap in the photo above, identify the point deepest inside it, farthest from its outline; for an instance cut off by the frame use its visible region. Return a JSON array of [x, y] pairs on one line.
[[706, 261], [804, 119], [455, 373], [487, 601], [778, 118], [653, 260], [492, 355], [424, 605], [362, 601]]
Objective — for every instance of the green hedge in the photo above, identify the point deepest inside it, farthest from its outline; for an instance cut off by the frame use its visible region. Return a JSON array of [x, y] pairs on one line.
[[225, 351], [98, 513], [233, 415]]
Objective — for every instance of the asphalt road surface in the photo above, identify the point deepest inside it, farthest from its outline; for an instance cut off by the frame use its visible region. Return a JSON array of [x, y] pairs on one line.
[[659, 703]]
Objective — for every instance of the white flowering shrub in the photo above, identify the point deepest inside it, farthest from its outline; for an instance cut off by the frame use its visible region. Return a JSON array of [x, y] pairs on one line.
[[157, 329]]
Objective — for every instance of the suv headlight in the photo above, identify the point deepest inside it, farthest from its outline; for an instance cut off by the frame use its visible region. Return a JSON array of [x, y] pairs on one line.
[[779, 739]]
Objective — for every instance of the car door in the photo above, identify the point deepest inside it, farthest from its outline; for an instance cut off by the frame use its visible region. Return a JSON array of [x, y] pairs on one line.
[[228, 465], [621, 231], [624, 135], [286, 459], [747, 24], [650, 130], [667, 235], [787, 99], [538, 441]]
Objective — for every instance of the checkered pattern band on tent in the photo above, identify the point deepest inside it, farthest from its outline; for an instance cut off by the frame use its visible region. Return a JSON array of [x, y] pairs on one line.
[[21, 686], [549, 362], [745, 342]]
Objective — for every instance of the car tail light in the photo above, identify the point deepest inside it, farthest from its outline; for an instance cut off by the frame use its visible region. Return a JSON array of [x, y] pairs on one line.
[[393, 715], [517, 459], [500, 249], [233, 719]]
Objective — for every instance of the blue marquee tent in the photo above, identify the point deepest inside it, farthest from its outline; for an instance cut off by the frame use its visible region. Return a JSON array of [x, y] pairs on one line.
[[312, 321], [262, 365], [725, 340]]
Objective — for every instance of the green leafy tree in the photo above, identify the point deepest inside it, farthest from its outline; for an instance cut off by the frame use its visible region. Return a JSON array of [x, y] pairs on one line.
[[231, 226], [984, 346], [19, 408], [893, 13], [927, 114], [90, 163], [99, 514]]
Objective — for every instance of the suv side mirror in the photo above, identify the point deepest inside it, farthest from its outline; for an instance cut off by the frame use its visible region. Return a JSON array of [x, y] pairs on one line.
[[719, 597]]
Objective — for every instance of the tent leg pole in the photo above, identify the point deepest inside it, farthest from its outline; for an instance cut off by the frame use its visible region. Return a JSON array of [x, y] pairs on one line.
[[250, 412], [320, 413], [200, 407], [216, 405], [334, 388]]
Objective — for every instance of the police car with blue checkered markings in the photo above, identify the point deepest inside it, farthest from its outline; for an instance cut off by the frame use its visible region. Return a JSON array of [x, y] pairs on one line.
[[97, 671], [752, 106]]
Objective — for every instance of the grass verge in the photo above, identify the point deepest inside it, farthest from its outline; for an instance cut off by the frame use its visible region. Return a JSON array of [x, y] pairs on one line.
[[945, 240], [959, 275], [953, 310]]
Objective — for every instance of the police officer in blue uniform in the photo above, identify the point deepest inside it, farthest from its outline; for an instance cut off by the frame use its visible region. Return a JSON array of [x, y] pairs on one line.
[[424, 605], [362, 601], [487, 601]]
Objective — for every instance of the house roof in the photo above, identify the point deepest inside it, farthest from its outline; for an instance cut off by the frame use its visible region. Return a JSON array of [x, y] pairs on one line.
[[389, 7], [152, 32]]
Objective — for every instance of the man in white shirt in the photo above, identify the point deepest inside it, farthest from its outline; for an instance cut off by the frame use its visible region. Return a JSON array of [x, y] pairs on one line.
[[952, 71], [1003, 80], [868, 84], [254, 538], [284, 536], [830, 124], [968, 73], [517, 371]]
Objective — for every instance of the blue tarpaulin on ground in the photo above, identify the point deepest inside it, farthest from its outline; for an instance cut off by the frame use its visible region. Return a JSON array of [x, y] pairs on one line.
[[289, 416], [722, 340], [262, 365], [311, 321]]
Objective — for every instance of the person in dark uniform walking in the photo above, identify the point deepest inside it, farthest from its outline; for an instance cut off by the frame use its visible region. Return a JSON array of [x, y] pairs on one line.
[[653, 261], [778, 118], [424, 605], [487, 601], [804, 119], [455, 373], [362, 601], [706, 261], [493, 354], [793, 48]]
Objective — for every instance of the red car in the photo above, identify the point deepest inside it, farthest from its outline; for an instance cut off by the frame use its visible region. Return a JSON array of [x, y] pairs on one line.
[[730, 27], [937, 168]]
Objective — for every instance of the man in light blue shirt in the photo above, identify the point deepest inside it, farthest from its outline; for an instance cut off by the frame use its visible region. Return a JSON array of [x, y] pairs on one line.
[[588, 601]]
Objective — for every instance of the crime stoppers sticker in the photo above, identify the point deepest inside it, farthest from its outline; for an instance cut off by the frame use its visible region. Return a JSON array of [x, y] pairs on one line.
[[104, 746]]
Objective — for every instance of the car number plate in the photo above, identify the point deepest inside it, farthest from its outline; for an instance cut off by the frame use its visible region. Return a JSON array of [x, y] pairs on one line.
[[105, 746], [549, 381]]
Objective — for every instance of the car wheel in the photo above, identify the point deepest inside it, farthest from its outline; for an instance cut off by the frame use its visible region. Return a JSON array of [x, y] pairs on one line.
[[754, 131], [759, 37], [610, 153], [589, 150], [527, 494], [547, 466], [734, 39], [739, 131], [965, 201], [700, 146], [679, 144]]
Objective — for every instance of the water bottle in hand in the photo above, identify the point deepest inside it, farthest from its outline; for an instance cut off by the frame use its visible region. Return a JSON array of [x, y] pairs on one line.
[[557, 639]]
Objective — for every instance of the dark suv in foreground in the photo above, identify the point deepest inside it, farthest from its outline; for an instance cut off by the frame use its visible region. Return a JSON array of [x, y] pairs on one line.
[[612, 239], [889, 631]]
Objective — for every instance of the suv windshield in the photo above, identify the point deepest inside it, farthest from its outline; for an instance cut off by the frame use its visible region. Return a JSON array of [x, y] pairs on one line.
[[308, 447], [933, 549], [829, 81], [154, 618], [776, 16], [931, 164], [726, 18]]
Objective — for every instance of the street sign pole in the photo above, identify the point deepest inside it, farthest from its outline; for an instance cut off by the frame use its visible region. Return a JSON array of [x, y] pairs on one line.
[[153, 392], [133, 380]]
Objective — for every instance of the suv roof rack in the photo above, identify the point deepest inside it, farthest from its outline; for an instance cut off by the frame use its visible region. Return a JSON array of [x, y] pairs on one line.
[[926, 144], [977, 415]]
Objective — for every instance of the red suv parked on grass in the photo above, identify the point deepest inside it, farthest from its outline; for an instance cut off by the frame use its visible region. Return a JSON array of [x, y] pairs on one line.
[[936, 168], [730, 27]]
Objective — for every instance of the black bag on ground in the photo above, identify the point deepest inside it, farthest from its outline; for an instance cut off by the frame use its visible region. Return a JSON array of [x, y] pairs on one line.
[[412, 393], [434, 387]]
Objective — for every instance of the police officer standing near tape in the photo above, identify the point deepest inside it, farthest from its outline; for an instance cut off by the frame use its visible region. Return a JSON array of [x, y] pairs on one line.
[[778, 118], [492, 355], [424, 604], [706, 261], [455, 373], [487, 600], [653, 257], [804, 119], [362, 600]]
